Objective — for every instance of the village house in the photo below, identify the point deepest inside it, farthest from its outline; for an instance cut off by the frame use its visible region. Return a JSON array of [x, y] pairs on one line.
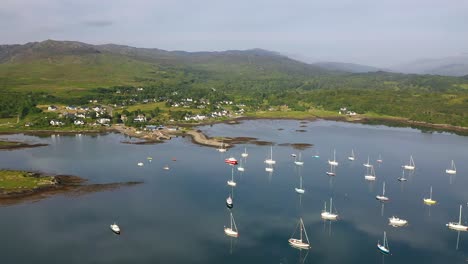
[[78, 122], [103, 121], [140, 118], [52, 108], [56, 123]]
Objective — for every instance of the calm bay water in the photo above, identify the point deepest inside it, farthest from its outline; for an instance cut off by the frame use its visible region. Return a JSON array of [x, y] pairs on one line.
[[177, 216]]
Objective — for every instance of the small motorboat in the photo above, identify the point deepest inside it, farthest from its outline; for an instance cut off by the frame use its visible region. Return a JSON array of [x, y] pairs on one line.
[[397, 222], [115, 228], [229, 203], [231, 161], [140, 164]]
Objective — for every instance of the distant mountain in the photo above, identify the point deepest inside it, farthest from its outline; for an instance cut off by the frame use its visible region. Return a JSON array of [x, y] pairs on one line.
[[346, 67], [449, 66], [51, 63]]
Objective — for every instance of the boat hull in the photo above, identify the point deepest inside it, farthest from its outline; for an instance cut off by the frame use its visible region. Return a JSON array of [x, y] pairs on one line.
[[383, 249], [270, 162], [299, 163], [240, 169], [299, 191], [269, 169], [369, 178], [452, 172], [244, 155], [333, 163], [328, 216], [330, 173], [229, 232], [229, 205], [351, 158], [367, 165], [429, 201], [298, 243], [396, 222], [408, 167], [402, 179], [382, 198], [115, 230], [457, 227], [232, 183]]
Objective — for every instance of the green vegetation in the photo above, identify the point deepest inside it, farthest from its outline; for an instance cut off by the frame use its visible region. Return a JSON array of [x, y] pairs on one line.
[[260, 83], [11, 180]]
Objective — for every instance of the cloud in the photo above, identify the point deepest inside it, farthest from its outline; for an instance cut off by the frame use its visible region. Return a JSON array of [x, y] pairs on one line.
[[98, 23]]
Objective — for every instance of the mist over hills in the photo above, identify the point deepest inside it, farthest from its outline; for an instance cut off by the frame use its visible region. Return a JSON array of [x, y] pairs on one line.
[[448, 66]]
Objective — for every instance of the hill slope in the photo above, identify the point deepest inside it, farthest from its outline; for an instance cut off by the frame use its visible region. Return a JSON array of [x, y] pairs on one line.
[[69, 64], [449, 66], [346, 67]]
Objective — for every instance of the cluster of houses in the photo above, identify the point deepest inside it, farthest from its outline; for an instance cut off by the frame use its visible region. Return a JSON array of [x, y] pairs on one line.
[[345, 111], [79, 114]]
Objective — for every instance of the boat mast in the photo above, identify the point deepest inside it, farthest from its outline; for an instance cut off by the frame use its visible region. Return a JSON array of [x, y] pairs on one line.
[[300, 182], [459, 217], [232, 173], [331, 208], [430, 195], [301, 229], [383, 193]]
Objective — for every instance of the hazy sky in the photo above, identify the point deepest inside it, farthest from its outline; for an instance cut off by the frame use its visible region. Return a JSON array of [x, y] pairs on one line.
[[375, 32]]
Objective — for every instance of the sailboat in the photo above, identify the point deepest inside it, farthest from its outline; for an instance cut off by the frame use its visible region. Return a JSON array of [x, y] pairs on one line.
[[333, 162], [269, 168], [331, 172], [231, 182], [299, 162], [382, 197], [240, 167], [298, 243], [397, 222], [245, 154], [232, 230], [402, 178], [370, 176], [328, 215], [410, 166], [352, 157], [231, 161], [379, 160], [270, 161], [429, 200], [300, 190], [229, 202], [457, 226], [452, 169], [115, 228], [367, 165], [140, 164], [166, 167], [316, 155], [384, 248]]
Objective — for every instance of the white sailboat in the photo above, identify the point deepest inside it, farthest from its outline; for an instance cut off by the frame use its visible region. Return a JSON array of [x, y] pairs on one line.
[[402, 178], [231, 182], [140, 164], [270, 161], [331, 172], [457, 226], [299, 161], [411, 165], [429, 200], [397, 222], [328, 215], [452, 169], [379, 160], [333, 162], [299, 243], [382, 197], [300, 190], [384, 248], [115, 228], [370, 175], [367, 165], [352, 157], [240, 167], [245, 154], [232, 230], [269, 168]]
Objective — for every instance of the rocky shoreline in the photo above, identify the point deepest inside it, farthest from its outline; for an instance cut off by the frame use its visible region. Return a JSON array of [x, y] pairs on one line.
[[60, 184]]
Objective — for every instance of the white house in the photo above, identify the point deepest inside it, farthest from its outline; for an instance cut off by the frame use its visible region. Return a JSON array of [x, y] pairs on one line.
[[140, 118], [78, 122], [56, 123], [52, 108], [103, 121]]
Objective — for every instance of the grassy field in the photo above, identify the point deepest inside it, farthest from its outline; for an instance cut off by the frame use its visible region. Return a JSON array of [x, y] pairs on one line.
[[20, 180], [293, 114]]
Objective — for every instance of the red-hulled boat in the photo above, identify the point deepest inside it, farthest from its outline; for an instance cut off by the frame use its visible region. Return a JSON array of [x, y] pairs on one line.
[[231, 161]]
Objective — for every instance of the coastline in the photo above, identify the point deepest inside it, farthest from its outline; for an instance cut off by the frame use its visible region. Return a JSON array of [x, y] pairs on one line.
[[198, 137], [53, 185]]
